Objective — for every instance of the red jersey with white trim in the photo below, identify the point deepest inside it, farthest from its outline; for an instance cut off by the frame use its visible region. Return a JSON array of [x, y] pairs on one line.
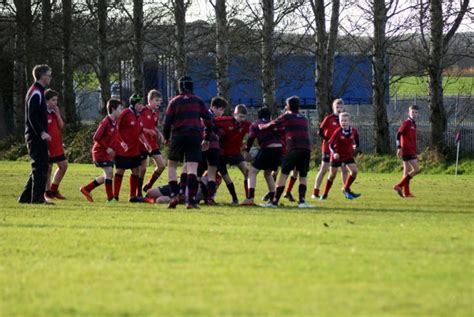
[[407, 133], [55, 146], [342, 142], [329, 125], [233, 133], [150, 119], [105, 137], [130, 127]]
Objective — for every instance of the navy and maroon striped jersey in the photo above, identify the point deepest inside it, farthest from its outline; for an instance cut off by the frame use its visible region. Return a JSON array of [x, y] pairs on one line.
[[296, 130], [264, 137], [342, 142], [232, 134], [214, 134], [406, 137], [183, 117]]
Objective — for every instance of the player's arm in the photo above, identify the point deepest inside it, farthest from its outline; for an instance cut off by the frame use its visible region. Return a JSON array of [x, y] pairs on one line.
[[99, 134], [332, 145], [280, 121], [401, 130], [145, 142], [207, 120], [321, 130], [120, 138], [59, 118], [34, 107], [356, 141], [169, 117]]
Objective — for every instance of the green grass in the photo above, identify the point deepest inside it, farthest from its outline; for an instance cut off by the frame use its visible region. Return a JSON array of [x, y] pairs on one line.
[[379, 255], [418, 85]]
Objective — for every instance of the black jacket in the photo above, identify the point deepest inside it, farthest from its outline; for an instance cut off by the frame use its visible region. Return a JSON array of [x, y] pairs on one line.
[[36, 112]]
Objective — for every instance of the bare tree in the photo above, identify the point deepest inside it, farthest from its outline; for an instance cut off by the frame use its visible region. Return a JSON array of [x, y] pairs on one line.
[[222, 48], [103, 67], [46, 28], [67, 67], [179, 10]]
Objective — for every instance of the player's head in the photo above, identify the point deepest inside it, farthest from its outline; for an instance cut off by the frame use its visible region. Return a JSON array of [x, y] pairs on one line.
[[413, 112], [185, 84], [345, 120], [114, 107], [136, 102], [42, 74], [338, 106], [154, 98], [293, 103], [218, 105], [264, 113], [240, 113], [51, 96]]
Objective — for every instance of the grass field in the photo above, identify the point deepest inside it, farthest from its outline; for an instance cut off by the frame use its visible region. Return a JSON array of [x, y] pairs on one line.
[[379, 255], [452, 86]]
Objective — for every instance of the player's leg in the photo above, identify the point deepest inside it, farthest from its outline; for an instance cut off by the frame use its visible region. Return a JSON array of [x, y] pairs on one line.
[[58, 177], [344, 173], [222, 168], [330, 180], [251, 184], [323, 169], [352, 170], [302, 165], [192, 184], [159, 168], [47, 193], [96, 182], [245, 171], [268, 175], [291, 184], [407, 175], [118, 178], [212, 162], [142, 173], [412, 170]]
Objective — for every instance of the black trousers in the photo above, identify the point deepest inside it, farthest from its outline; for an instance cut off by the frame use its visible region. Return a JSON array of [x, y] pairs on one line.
[[36, 184]]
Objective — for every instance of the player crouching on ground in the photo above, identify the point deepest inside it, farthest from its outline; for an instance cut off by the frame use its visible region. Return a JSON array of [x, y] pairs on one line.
[[342, 144], [268, 157], [299, 149], [406, 149], [103, 151]]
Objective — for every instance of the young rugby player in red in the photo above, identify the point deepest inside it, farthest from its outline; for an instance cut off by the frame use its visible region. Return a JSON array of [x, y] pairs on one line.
[[326, 129], [406, 149], [269, 155], [129, 136], [299, 149], [342, 144], [103, 151], [210, 158], [55, 146], [150, 118], [182, 129], [233, 130]]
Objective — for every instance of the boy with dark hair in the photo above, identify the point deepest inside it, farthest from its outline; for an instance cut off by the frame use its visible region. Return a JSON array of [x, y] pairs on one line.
[[342, 144], [55, 146], [37, 137], [182, 129], [103, 151], [233, 129], [406, 150], [268, 157], [298, 146], [129, 136], [150, 118], [327, 127]]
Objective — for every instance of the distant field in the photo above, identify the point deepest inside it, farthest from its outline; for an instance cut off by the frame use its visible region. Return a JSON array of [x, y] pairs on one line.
[[379, 255], [411, 86]]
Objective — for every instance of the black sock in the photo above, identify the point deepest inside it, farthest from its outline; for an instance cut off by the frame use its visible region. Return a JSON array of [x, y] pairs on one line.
[[279, 192], [192, 188], [232, 192], [302, 192], [251, 193], [174, 188]]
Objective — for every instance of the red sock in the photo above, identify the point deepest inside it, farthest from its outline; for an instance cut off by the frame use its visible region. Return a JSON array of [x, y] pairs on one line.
[[246, 188], [327, 187], [316, 191], [291, 183], [139, 187], [54, 187], [404, 181], [133, 185], [349, 182], [117, 185], [108, 189], [407, 189], [90, 187]]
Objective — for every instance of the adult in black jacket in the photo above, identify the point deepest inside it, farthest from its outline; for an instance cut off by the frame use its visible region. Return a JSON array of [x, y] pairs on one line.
[[37, 137]]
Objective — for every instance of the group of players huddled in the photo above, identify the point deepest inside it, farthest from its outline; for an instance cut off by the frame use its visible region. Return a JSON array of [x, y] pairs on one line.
[[207, 142]]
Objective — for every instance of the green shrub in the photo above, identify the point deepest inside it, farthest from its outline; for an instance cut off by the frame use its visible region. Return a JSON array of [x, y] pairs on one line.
[[79, 144]]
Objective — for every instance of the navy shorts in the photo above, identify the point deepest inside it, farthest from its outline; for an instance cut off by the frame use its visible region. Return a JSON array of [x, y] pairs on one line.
[[231, 160], [339, 163], [127, 162], [296, 158], [56, 159], [409, 157], [104, 163], [326, 157], [145, 155], [185, 148], [268, 159]]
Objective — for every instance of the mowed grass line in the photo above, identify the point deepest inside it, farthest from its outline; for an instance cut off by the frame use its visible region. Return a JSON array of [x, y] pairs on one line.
[[418, 85], [376, 256]]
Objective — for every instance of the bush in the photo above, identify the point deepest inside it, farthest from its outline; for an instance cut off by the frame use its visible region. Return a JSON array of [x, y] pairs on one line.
[[79, 144]]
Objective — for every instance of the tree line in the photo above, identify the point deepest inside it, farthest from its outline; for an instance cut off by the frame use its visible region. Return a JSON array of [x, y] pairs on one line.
[[416, 37]]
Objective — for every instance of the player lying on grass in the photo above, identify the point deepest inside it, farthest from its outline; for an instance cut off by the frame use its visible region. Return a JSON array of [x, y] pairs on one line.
[[55, 146], [298, 145], [103, 151], [268, 157], [327, 127], [342, 144], [406, 150], [233, 130]]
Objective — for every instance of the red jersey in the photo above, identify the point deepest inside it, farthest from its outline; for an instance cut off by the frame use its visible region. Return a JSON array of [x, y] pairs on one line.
[[150, 119], [342, 142], [105, 137], [55, 146], [129, 127], [233, 133], [406, 137], [326, 129]]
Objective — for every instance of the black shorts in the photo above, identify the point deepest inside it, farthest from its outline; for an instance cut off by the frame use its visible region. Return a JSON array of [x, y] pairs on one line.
[[268, 159], [209, 158], [144, 155], [127, 162], [231, 160], [409, 157], [298, 158], [326, 157], [165, 190], [104, 163], [340, 163], [56, 159], [185, 147]]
